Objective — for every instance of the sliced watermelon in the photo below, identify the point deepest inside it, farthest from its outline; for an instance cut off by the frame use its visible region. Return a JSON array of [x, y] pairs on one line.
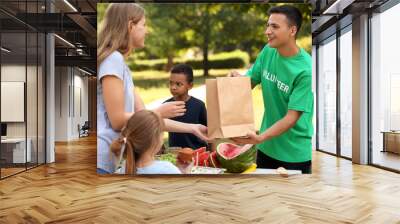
[[234, 158], [201, 159], [213, 161], [199, 150]]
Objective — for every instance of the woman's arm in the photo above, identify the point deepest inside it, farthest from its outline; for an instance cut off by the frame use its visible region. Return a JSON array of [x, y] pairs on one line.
[[114, 101], [139, 104], [195, 129]]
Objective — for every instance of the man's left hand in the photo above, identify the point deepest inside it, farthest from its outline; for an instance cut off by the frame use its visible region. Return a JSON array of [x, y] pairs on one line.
[[251, 138]]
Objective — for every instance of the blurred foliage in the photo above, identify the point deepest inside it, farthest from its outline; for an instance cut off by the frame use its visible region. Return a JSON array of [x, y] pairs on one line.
[[101, 8], [234, 59], [209, 28]]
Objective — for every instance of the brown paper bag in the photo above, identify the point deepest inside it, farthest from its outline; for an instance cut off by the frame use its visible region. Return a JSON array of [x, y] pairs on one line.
[[229, 107]]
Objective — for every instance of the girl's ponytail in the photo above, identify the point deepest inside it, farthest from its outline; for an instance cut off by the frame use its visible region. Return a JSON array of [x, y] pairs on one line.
[[122, 145], [116, 146], [141, 132], [130, 165]]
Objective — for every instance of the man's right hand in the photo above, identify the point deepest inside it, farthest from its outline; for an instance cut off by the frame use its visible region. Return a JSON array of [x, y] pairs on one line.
[[234, 73], [171, 109]]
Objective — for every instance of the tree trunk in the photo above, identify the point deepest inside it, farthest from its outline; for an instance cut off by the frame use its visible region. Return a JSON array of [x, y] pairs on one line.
[[206, 25], [170, 63], [205, 59]]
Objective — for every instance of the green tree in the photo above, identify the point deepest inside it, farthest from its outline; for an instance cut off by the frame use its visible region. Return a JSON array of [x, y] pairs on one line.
[[209, 27], [165, 37], [101, 8], [213, 27]]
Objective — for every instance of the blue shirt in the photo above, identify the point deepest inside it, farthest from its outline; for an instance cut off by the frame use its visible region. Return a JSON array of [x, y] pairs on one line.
[[196, 113], [113, 65], [159, 167]]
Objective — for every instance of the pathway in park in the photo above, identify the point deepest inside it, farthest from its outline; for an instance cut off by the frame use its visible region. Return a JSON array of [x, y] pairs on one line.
[[198, 92]]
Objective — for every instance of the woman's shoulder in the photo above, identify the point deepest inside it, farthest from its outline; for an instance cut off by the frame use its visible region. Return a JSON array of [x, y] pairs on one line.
[[115, 56], [113, 64]]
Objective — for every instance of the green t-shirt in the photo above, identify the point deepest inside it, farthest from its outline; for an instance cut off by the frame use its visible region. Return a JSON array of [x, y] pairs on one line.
[[286, 85]]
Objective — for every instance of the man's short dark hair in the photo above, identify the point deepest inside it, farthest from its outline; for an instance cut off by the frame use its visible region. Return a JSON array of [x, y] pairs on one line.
[[184, 69], [292, 13]]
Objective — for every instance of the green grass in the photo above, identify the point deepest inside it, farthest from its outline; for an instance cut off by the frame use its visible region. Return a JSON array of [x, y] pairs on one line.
[[152, 85]]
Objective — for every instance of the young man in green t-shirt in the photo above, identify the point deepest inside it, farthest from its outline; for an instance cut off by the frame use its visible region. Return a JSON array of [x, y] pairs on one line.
[[284, 72]]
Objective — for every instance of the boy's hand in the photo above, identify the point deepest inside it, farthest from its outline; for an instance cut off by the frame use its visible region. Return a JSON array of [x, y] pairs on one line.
[[172, 109], [234, 73]]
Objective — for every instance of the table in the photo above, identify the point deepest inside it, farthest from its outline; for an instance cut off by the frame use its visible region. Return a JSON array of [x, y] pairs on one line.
[[273, 171], [213, 171], [391, 141], [15, 148]]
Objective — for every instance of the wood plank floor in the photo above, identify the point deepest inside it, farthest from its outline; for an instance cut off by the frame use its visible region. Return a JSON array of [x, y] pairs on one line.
[[10, 171], [70, 191], [388, 159]]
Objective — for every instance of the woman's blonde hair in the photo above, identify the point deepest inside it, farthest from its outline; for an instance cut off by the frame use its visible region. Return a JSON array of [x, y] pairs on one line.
[[142, 132], [114, 33]]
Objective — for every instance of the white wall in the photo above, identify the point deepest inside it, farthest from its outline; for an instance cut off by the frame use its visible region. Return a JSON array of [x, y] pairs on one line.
[[33, 127], [61, 103], [12, 73], [81, 82], [314, 89], [71, 94]]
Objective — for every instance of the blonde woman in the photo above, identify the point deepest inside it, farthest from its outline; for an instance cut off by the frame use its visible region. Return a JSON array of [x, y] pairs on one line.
[[122, 31]]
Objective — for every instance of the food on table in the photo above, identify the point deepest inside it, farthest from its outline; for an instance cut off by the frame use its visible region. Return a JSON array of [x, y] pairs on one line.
[[170, 157], [234, 158], [200, 158], [251, 169], [282, 171], [185, 155], [228, 157], [199, 150], [185, 160], [206, 170], [213, 161]]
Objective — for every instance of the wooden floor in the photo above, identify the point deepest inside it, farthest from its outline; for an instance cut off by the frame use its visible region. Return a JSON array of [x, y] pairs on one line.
[[10, 171], [70, 191], [5, 172], [387, 159]]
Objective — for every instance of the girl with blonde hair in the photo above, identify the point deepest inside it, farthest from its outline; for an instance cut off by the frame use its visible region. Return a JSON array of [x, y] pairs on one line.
[[122, 31], [139, 142]]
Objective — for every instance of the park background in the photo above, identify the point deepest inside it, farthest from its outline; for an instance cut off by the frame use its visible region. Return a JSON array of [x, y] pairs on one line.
[[213, 38]]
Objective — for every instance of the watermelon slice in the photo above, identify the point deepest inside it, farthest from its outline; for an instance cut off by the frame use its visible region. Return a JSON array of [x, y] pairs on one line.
[[201, 159], [199, 150], [213, 161], [234, 158]]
